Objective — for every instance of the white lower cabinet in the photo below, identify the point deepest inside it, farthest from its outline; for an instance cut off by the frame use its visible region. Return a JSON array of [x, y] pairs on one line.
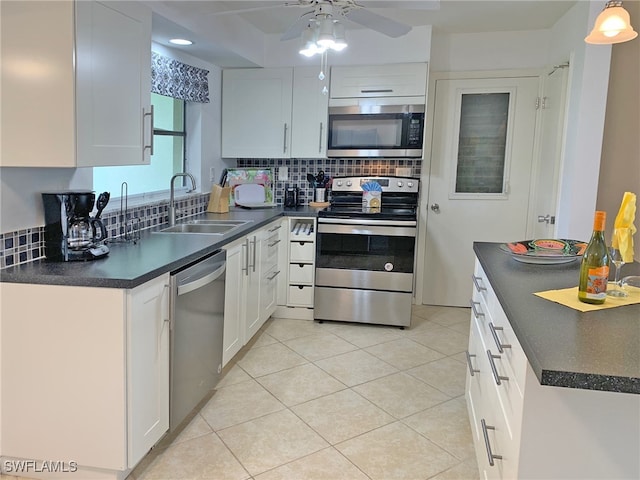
[[301, 259], [251, 286], [88, 383], [523, 430]]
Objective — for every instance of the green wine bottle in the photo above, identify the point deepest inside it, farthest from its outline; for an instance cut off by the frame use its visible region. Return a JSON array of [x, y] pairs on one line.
[[594, 269]]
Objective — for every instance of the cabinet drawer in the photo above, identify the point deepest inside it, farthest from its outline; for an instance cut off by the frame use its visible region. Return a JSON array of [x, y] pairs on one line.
[[301, 273], [301, 295], [301, 252]]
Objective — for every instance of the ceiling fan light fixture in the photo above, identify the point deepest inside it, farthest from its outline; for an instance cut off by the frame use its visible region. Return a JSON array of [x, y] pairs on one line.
[[325, 33], [340, 41], [613, 25]]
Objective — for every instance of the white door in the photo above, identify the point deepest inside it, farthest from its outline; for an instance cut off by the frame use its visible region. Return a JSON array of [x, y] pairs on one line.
[[479, 183], [545, 185]]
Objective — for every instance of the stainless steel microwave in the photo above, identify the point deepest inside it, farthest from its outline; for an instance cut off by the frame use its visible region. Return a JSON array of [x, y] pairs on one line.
[[376, 131]]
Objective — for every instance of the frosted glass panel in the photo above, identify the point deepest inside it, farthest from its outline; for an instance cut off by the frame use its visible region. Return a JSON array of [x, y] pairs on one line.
[[482, 142]]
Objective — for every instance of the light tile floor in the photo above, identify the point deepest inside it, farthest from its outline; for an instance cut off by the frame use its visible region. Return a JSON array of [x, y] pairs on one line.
[[310, 401]]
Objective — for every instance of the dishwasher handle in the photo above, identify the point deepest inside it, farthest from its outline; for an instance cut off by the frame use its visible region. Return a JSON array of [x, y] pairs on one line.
[[202, 281]]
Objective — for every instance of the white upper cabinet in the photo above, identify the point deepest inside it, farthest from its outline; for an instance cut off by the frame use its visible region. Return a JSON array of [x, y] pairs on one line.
[[309, 114], [273, 113], [74, 92], [256, 113], [398, 80]]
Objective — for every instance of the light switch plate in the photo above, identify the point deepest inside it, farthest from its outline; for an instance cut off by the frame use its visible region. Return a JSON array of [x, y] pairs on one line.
[[283, 174]]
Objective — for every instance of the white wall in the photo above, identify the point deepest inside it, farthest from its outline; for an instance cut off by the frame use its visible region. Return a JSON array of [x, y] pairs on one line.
[[588, 84], [489, 51]]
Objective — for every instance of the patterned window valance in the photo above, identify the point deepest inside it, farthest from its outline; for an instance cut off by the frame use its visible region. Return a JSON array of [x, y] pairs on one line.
[[172, 78]]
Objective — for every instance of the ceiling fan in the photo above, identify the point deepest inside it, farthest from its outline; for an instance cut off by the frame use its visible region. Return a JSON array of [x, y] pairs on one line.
[[337, 10]]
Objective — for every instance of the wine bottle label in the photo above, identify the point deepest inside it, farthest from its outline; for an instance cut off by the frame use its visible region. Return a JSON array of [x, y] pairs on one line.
[[597, 283]]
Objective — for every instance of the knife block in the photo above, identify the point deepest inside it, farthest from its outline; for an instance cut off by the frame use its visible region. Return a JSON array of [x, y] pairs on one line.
[[219, 199]]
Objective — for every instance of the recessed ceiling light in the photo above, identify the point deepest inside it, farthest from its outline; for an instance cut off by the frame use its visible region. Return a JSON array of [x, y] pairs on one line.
[[180, 41]]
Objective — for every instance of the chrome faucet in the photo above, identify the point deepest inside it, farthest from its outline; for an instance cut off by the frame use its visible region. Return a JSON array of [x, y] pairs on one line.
[[172, 206]]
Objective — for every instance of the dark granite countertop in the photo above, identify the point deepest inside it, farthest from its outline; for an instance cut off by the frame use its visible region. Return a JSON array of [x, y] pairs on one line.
[[597, 350], [129, 265]]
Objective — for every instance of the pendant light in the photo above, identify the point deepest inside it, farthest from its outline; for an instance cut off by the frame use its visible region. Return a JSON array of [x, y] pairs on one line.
[[613, 25]]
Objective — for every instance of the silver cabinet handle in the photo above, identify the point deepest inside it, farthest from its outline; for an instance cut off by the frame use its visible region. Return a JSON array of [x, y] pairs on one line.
[[320, 139], [274, 243], [501, 346], [274, 275], [472, 371], [476, 313], [245, 269], [284, 146], [150, 146], [490, 455], [384, 90], [476, 281], [494, 370], [255, 242], [275, 228]]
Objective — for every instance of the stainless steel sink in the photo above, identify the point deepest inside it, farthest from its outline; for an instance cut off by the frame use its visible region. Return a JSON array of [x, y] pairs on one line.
[[205, 227]]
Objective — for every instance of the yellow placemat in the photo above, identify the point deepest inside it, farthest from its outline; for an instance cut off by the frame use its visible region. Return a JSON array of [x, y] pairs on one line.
[[569, 298]]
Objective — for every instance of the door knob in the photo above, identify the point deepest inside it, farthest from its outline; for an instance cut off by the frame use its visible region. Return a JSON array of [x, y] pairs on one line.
[[435, 207]]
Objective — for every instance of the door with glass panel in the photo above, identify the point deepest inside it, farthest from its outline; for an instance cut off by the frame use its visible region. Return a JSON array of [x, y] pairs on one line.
[[479, 182]]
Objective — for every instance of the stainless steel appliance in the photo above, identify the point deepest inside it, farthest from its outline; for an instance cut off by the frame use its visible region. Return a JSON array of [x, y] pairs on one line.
[[70, 233], [373, 130], [365, 257], [197, 316]]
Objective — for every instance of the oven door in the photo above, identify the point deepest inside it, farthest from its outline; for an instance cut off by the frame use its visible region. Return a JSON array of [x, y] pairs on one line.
[[365, 255], [364, 271]]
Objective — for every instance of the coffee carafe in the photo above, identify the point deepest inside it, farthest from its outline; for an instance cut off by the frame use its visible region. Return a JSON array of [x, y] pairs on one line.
[[70, 233]]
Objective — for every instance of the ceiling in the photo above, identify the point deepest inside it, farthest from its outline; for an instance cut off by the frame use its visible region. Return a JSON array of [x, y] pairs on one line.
[[199, 20]]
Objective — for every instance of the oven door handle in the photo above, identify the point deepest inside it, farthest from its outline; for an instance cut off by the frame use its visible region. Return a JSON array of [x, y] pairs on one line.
[[380, 230], [367, 222]]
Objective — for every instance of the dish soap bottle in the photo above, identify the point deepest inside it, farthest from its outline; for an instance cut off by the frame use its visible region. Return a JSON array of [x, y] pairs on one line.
[[594, 269]]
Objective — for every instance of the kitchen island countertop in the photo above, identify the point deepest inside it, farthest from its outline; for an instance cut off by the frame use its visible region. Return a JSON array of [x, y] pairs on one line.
[[129, 265], [598, 350]]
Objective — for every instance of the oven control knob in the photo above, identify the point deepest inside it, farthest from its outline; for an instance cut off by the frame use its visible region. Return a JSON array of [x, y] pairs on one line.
[[388, 266], [339, 183], [410, 184], [400, 184], [349, 183]]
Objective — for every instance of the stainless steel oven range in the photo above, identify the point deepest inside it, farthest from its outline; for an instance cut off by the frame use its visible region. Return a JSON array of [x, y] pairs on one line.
[[365, 256]]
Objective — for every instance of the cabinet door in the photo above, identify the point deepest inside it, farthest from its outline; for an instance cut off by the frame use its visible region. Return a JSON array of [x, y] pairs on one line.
[[38, 118], [147, 366], [233, 337], [113, 73], [256, 113], [309, 114], [403, 79], [252, 294]]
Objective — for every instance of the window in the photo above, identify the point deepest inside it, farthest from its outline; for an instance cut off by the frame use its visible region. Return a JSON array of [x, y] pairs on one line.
[[169, 140], [482, 143]]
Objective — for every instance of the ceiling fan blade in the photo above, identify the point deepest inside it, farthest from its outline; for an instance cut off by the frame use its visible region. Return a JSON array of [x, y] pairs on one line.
[[403, 5], [376, 22], [295, 30]]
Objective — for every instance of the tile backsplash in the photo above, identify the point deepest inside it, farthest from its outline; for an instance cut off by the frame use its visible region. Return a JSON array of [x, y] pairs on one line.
[[333, 167], [24, 246]]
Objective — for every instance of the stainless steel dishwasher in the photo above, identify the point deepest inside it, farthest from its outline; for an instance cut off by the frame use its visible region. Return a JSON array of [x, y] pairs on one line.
[[197, 314]]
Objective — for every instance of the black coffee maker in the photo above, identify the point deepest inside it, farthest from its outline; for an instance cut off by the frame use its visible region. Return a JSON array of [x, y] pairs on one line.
[[291, 197], [70, 233]]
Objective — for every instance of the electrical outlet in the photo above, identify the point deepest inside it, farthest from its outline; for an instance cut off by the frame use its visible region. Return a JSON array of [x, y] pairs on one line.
[[403, 171], [212, 174], [283, 174]]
